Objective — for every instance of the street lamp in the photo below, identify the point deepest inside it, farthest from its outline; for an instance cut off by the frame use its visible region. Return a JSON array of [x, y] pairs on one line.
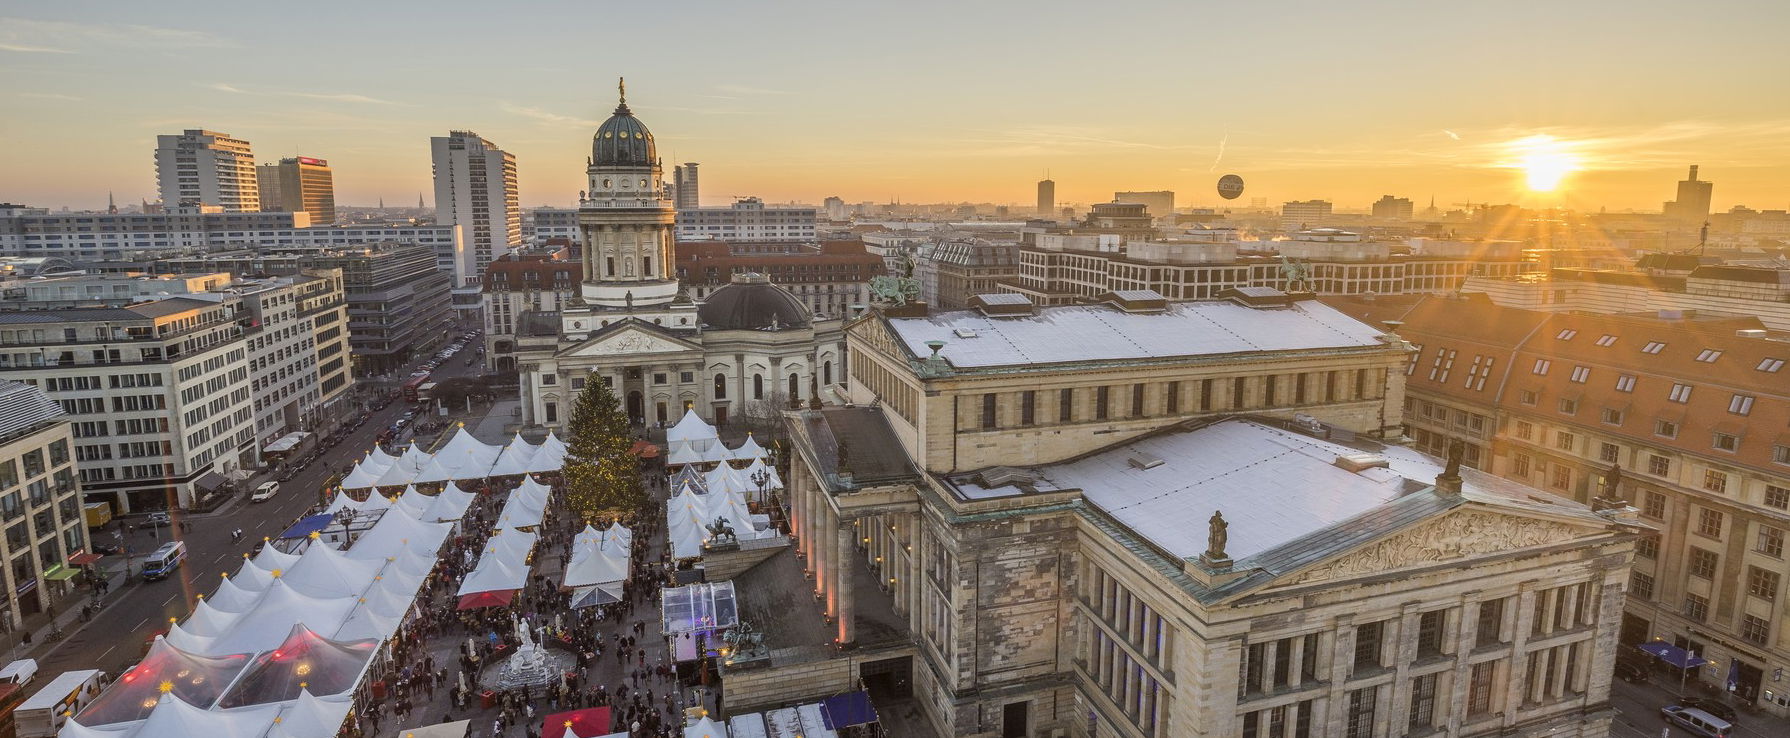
[[761, 478]]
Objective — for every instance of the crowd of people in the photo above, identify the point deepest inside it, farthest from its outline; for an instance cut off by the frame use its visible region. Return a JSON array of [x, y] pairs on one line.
[[440, 666]]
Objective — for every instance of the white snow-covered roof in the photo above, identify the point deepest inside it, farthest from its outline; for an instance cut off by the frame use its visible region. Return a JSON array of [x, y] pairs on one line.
[[1087, 333]]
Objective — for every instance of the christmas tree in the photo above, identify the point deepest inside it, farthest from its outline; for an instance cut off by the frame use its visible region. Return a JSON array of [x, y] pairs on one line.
[[601, 472]]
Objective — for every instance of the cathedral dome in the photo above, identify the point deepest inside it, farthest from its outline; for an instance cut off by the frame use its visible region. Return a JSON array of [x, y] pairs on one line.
[[623, 141], [753, 303]]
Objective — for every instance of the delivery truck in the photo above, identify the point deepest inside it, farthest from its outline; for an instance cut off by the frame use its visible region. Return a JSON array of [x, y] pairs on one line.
[[98, 513]]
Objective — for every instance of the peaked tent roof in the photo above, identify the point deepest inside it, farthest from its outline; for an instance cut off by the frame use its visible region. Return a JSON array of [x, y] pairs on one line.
[[691, 427], [303, 662], [203, 682]]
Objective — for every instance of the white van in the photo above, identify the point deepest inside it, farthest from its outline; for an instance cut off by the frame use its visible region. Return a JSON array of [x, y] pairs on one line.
[[265, 492], [42, 715], [19, 672], [1696, 722]]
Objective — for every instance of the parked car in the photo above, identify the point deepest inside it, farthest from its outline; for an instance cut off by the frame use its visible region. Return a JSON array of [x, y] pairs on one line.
[[1630, 672], [158, 519], [1714, 707], [265, 492]]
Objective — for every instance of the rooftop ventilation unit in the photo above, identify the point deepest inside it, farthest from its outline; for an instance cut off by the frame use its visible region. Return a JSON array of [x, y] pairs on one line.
[[1002, 305], [964, 333], [1361, 462], [1751, 333], [1143, 460]]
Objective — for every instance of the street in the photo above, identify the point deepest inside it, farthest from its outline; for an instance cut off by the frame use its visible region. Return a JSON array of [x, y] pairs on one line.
[[1637, 714], [136, 609]]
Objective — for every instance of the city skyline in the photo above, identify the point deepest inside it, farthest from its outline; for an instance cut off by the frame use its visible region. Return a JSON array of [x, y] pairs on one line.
[[1419, 116]]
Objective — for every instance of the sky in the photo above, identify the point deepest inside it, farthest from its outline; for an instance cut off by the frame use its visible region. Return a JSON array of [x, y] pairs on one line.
[[921, 101]]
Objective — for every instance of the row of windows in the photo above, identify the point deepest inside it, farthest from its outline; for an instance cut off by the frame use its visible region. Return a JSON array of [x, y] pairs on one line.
[[1180, 397]]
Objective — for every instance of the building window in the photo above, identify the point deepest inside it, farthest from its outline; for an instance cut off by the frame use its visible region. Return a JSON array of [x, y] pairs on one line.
[[1771, 541], [1612, 416], [1708, 356], [1367, 645], [1769, 364], [1640, 585], [1541, 367], [1761, 583], [1581, 374], [1173, 400], [1653, 505], [1780, 455], [1659, 466], [1527, 397], [720, 386], [1479, 688], [1778, 497], [988, 411], [1569, 407], [1102, 399], [1362, 703], [1423, 702], [1647, 547], [1525, 430], [1606, 340], [1740, 405], [552, 412], [1696, 608], [1725, 442], [1703, 563], [1429, 632], [1519, 466], [1609, 453], [1653, 347], [1028, 408], [1715, 481], [1565, 441], [1065, 405], [1625, 383], [1709, 523], [1681, 393], [1562, 478], [758, 386], [1665, 428], [1490, 625], [1137, 401], [1756, 630]]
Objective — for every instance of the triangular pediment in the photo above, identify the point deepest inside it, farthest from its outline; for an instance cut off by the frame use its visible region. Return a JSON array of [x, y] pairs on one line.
[[1463, 533], [627, 340]]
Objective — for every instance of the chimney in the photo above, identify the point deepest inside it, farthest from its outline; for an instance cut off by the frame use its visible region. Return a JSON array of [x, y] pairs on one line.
[[1693, 172]]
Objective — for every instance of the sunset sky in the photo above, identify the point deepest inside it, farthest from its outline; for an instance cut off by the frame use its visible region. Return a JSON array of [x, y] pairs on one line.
[[924, 101]]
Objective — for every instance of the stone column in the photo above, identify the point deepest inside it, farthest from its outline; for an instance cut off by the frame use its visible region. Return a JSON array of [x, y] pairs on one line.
[[823, 550], [843, 582], [916, 583]]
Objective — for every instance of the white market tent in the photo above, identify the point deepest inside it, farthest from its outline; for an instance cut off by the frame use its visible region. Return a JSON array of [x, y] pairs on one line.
[[705, 728], [590, 566], [691, 428], [750, 450]]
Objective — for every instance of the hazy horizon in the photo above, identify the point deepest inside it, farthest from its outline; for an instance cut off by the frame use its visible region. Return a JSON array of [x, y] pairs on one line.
[[926, 102]]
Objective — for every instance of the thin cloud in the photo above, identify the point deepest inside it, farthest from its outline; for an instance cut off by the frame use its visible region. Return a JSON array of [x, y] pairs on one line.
[[748, 90], [329, 96], [1451, 134], [65, 36], [1220, 158], [28, 49], [548, 116], [51, 96]]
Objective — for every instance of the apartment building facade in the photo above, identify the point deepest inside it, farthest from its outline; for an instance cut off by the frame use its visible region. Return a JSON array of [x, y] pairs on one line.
[[299, 184], [40, 503], [1684, 414], [518, 285], [158, 394], [829, 277], [746, 220]]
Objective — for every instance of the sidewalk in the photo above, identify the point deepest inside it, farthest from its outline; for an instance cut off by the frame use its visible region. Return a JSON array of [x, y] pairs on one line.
[[67, 614]]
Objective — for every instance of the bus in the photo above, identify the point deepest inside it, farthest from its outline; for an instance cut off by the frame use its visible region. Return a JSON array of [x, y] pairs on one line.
[[164, 561], [413, 387]]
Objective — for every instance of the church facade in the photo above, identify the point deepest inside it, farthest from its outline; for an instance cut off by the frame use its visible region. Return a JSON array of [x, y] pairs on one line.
[[746, 351]]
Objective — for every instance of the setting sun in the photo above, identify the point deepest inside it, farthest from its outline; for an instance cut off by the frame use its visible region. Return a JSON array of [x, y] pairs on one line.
[[1545, 161]]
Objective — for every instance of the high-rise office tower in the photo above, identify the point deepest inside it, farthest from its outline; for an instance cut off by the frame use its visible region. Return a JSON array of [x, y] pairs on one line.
[[299, 184], [1692, 205], [475, 188], [207, 168], [1047, 198], [683, 181]]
